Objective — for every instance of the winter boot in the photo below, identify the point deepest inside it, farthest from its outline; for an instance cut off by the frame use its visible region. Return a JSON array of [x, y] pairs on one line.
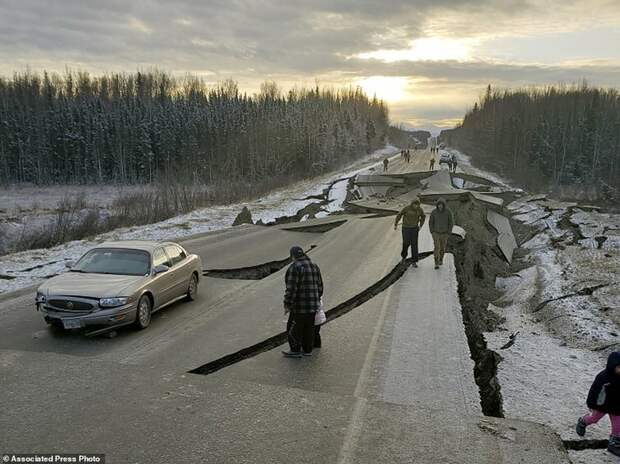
[[614, 445], [581, 427], [292, 354]]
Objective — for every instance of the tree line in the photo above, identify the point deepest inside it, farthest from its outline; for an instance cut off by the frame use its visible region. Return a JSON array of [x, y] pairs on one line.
[[555, 137], [146, 127]]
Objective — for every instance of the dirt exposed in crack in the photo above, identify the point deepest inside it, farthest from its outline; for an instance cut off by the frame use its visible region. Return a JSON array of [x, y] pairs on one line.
[[316, 228], [310, 210], [585, 291], [279, 339], [523, 233], [580, 445], [478, 263], [258, 272], [566, 224]]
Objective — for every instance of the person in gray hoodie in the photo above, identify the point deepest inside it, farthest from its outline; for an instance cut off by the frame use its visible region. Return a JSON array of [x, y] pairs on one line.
[[440, 225]]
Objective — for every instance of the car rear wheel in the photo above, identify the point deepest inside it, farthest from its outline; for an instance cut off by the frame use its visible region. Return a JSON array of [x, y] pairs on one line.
[[192, 289], [143, 313]]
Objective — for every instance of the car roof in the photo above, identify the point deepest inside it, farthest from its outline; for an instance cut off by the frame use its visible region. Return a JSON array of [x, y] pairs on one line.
[[145, 245]]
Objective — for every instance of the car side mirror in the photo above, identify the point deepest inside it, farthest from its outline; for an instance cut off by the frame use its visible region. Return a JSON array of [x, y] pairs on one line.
[[69, 264], [159, 269]]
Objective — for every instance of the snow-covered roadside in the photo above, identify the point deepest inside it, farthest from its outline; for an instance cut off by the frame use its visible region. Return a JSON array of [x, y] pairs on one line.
[[19, 270], [560, 345], [464, 162], [563, 336]]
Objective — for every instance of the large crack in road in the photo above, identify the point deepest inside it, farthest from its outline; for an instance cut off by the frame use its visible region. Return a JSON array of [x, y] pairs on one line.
[[476, 268], [279, 339]]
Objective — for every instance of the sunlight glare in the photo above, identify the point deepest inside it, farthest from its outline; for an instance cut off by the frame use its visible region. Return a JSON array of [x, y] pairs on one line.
[[427, 49], [388, 89]]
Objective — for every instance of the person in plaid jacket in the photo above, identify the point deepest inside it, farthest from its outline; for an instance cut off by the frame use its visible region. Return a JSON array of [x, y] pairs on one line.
[[302, 298]]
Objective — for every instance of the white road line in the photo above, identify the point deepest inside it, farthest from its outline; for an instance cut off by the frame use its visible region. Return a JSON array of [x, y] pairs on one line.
[[354, 430]]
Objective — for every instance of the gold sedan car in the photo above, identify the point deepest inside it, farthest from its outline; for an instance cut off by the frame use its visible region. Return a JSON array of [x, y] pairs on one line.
[[119, 283]]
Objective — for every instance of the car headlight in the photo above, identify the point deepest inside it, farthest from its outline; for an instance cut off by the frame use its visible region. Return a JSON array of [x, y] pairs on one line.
[[40, 298], [112, 302]]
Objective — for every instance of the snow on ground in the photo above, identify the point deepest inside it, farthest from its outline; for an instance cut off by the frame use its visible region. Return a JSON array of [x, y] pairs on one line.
[[22, 199], [465, 161], [592, 457], [19, 270], [546, 374], [542, 379], [33, 208]]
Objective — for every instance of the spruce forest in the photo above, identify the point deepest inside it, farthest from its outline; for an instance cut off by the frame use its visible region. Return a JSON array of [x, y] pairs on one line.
[[561, 139], [150, 127]]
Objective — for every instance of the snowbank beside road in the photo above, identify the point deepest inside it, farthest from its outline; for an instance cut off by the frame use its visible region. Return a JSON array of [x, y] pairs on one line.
[[563, 304], [22, 269], [464, 161], [564, 308]]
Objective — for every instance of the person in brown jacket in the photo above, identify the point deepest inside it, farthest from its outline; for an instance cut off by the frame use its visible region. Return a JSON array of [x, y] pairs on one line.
[[413, 218], [440, 225], [432, 168]]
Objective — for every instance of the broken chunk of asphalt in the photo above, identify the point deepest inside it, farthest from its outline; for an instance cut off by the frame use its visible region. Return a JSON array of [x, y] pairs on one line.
[[272, 342], [258, 272]]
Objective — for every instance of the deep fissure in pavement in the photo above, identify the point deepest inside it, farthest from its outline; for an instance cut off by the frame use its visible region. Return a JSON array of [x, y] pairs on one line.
[[311, 209], [478, 262], [343, 308], [316, 228], [258, 272], [580, 445]]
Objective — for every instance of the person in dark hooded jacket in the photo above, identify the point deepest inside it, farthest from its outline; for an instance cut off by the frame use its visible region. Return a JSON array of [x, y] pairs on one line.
[[604, 398], [440, 225]]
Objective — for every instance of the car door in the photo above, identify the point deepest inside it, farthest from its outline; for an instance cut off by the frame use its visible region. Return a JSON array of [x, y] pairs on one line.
[[163, 283], [180, 269]]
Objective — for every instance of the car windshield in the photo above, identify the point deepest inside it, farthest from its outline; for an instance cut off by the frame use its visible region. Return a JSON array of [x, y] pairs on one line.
[[117, 261]]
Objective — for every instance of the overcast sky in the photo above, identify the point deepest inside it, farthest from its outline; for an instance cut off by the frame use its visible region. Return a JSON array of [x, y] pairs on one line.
[[429, 59]]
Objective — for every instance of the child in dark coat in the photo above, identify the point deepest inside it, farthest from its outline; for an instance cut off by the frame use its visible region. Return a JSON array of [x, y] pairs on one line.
[[604, 398]]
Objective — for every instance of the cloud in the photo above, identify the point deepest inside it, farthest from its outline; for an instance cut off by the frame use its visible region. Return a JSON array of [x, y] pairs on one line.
[[299, 41]]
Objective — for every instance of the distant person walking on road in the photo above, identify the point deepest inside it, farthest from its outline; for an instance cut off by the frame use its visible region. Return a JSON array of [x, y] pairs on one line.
[[440, 225], [432, 168], [386, 163], [604, 398], [454, 162], [413, 219], [302, 298]]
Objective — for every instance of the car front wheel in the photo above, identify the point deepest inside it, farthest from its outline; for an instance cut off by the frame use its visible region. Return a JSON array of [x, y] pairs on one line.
[[143, 313]]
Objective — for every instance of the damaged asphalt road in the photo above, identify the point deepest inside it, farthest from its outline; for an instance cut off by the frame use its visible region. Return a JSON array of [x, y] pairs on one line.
[[368, 395]]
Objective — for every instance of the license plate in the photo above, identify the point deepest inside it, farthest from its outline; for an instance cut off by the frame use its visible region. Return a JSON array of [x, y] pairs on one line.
[[71, 323]]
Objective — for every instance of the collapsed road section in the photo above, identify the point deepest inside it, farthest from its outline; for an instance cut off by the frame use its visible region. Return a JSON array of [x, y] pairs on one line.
[[486, 253]]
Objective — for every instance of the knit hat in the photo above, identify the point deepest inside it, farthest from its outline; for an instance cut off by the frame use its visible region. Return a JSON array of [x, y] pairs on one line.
[[297, 252]]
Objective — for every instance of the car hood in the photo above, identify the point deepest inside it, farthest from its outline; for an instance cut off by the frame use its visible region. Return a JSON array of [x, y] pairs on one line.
[[91, 285]]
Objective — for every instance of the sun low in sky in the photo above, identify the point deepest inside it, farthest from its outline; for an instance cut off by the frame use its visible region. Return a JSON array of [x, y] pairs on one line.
[[425, 49], [428, 60], [389, 89]]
